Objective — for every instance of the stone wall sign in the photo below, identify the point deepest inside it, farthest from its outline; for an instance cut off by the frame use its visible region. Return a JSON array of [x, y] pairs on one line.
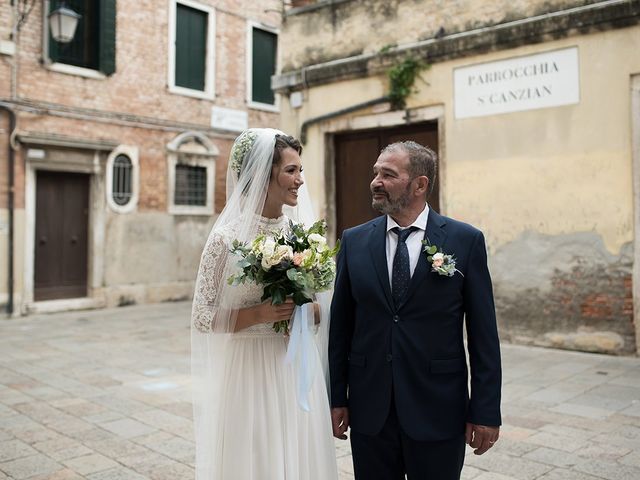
[[548, 79], [229, 119]]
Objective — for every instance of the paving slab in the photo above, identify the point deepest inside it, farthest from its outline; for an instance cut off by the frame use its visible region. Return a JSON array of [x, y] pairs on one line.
[[105, 395]]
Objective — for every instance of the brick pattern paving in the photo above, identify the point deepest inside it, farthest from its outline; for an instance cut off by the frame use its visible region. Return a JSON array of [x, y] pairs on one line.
[[104, 395]]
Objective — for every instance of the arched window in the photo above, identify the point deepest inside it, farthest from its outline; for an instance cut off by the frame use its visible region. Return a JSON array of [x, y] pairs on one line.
[[122, 186], [122, 179], [191, 169]]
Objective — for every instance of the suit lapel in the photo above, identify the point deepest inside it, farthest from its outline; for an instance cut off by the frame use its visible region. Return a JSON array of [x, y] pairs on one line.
[[377, 246], [436, 234]]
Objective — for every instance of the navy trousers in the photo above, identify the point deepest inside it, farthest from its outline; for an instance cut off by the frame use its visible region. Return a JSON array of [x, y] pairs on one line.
[[391, 454]]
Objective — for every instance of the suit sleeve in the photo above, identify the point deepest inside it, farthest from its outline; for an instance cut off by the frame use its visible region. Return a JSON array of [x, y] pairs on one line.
[[482, 339], [341, 330]]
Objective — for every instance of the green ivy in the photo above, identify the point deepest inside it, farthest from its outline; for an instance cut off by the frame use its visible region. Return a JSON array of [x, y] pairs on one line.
[[401, 80]]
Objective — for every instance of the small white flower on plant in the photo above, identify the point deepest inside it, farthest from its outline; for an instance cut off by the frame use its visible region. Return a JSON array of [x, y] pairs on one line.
[[268, 246], [317, 238]]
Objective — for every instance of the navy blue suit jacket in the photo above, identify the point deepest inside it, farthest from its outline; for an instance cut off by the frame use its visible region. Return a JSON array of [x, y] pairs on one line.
[[416, 350]]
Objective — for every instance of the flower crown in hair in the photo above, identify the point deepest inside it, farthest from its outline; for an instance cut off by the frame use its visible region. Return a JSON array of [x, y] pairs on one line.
[[241, 147]]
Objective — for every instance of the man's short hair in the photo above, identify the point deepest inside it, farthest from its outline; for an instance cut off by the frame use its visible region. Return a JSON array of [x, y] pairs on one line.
[[422, 160]]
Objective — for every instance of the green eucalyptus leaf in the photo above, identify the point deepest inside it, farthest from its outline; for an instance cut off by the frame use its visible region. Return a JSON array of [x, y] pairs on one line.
[[278, 296]]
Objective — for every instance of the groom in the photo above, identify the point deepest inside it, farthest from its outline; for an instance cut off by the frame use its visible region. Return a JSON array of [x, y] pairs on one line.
[[396, 353]]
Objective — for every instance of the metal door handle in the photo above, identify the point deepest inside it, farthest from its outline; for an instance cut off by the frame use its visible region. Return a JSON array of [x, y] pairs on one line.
[[43, 240], [74, 239]]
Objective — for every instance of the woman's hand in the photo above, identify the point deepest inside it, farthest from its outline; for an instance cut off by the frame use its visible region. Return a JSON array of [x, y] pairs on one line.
[[268, 313], [264, 312]]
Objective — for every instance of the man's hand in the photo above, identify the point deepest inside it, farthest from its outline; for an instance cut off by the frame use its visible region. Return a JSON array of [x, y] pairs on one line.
[[340, 422], [479, 437]]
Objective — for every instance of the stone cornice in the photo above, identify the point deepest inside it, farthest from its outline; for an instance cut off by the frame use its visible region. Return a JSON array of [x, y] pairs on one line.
[[115, 118], [313, 6], [65, 141], [601, 16]]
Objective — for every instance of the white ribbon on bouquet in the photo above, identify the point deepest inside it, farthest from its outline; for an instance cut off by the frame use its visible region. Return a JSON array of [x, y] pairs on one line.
[[300, 352]]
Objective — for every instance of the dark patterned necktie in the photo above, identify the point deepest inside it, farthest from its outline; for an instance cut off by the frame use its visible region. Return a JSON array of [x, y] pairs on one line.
[[401, 273]]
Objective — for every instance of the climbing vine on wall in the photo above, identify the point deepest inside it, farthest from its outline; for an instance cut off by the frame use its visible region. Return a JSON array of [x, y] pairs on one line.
[[402, 78]]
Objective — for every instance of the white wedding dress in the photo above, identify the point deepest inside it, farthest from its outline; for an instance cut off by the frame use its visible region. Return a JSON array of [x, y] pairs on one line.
[[265, 435]]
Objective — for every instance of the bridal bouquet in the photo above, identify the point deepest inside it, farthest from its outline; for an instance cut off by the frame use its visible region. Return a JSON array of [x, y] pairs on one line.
[[295, 262]]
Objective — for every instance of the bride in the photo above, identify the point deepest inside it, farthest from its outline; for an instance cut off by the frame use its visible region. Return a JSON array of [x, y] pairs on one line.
[[248, 421]]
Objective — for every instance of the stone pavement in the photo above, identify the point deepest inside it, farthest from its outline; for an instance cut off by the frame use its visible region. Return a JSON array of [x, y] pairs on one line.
[[104, 395]]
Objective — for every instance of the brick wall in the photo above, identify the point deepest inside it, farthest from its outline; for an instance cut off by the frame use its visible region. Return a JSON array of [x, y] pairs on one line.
[[6, 21], [132, 107], [139, 87]]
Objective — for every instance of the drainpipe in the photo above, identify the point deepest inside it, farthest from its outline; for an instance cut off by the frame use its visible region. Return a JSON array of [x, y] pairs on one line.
[[10, 203], [337, 113]]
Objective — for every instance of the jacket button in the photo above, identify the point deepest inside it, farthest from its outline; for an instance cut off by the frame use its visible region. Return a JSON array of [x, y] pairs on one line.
[[396, 318], [389, 357]]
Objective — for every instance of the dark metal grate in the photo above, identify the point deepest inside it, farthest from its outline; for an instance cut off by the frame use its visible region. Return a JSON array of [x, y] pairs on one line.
[[121, 186], [191, 185]]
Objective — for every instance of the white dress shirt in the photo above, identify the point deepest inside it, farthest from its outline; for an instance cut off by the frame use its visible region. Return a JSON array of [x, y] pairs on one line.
[[414, 242]]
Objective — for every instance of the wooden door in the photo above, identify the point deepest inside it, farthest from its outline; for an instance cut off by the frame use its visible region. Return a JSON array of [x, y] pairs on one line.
[[355, 154], [62, 207]]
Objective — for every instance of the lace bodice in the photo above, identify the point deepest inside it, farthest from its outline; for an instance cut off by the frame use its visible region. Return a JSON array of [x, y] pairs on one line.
[[212, 267]]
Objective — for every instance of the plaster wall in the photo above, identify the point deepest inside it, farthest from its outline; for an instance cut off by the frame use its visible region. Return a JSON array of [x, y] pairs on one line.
[[551, 188], [338, 30]]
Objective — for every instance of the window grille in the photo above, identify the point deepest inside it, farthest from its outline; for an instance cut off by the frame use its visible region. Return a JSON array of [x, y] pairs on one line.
[[191, 185], [121, 189]]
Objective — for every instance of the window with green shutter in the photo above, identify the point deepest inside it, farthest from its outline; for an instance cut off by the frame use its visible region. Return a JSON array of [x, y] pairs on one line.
[[107, 36], [264, 48], [191, 47], [94, 43]]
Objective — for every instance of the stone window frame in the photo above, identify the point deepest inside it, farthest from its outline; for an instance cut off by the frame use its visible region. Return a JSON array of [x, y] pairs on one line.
[[132, 153], [38, 157], [249, 68], [197, 150], [209, 78]]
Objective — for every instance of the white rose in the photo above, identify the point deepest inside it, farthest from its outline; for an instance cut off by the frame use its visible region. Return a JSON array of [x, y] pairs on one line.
[[283, 252], [267, 250], [438, 259], [266, 264]]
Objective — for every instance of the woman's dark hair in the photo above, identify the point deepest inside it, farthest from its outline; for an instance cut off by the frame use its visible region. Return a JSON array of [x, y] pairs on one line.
[[283, 142]]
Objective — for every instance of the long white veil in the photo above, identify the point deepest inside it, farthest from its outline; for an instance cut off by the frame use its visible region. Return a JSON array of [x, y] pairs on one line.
[[214, 311]]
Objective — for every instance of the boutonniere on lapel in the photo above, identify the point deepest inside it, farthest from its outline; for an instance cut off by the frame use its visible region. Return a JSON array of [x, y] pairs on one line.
[[441, 263]]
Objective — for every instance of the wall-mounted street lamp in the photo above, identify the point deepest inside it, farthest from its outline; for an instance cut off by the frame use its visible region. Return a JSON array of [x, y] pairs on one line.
[[62, 23]]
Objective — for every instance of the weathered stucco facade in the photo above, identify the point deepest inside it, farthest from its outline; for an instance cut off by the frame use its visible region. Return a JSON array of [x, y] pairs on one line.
[[550, 187], [74, 121]]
